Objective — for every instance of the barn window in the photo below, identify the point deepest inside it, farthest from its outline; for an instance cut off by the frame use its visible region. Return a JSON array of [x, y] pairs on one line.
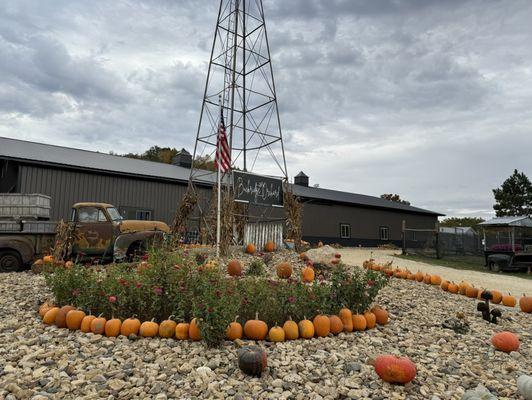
[[414, 236], [143, 215], [384, 233], [345, 231]]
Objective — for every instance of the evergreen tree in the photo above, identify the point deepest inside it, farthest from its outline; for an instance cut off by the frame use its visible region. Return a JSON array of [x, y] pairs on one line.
[[514, 197]]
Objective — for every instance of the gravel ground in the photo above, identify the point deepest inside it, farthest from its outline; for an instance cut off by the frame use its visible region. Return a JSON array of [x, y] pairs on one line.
[[40, 362], [503, 281]]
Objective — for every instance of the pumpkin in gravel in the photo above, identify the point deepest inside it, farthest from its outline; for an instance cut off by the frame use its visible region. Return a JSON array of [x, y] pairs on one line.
[[130, 326], [60, 318], [508, 300], [371, 320], [112, 327], [435, 280], [427, 279], [252, 360], [49, 317], [276, 334], [45, 307], [453, 288], [471, 292], [194, 331], [337, 325], [462, 287], [98, 325], [381, 315], [269, 247], [322, 325], [167, 328], [359, 322], [410, 276], [86, 323], [525, 304], [250, 248], [347, 319], [394, 369], [149, 329], [497, 296], [505, 341], [307, 275], [397, 273], [48, 259], [445, 285], [74, 318], [181, 331], [284, 270], [303, 257], [306, 329], [291, 330], [255, 328], [234, 330], [234, 268], [419, 276]]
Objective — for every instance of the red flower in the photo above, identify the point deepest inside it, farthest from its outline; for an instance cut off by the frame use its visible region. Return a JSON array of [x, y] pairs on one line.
[[291, 299], [210, 309], [144, 257], [112, 299], [138, 285], [123, 282], [371, 283], [158, 290]]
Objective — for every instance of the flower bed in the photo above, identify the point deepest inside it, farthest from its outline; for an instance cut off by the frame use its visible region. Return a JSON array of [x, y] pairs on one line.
[[177, 285]]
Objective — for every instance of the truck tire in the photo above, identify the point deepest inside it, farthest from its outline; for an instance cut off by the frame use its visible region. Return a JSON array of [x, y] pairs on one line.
[[494, 267], [10, 261]]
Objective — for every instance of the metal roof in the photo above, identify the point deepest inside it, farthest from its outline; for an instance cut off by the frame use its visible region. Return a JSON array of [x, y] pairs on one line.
[[509, 221], [76, 158]]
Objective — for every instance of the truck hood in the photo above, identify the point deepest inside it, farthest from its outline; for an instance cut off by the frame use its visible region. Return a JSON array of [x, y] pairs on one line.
[[129, 226]]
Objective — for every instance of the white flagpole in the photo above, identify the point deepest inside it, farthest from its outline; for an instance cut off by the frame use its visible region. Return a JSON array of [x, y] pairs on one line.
[[219, 178]]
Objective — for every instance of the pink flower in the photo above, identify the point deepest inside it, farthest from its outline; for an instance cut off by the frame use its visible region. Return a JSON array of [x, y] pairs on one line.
[[158, 290], [112, 299], [138, 285], [371, 283], [291, 299], [123, 282], [75, 292]]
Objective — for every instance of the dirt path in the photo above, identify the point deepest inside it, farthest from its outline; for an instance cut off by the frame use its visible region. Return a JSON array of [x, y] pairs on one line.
[[503, 282]]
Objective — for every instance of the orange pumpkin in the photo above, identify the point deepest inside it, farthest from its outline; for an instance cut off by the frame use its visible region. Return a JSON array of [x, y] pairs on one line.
[[112, 327], [60, 319], [337, 325], [234, 330], [505, 341], [347, 319], [250, 248], [393, 369], [307, 275], [284, 270], [397, 273], [149, 329], [255, 328], [291, 330], [419, 276], [303, 256], [371, 319], [130, 326], [471, 292], [269, 247], [167, 328], [69, 264], [45, 307], [359, 322], [276, 334], [381, 315], [48, 259], [86, 323], [462, 287], [234, 268], [453, 288], [497, 296], [98, 325], [427, 279], [74, 318], [194, 331], [306, 329], [435, 280], [445, 285], [322, 325], [181, 331], [525, 304], [411, 277], [508, 300], [51, 314]]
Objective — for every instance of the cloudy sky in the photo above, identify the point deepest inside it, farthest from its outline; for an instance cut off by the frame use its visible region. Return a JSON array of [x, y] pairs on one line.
[[428, 99]]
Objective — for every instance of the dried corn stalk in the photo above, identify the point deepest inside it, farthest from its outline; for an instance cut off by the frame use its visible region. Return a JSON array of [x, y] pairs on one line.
[[293, 211], [64, 240]]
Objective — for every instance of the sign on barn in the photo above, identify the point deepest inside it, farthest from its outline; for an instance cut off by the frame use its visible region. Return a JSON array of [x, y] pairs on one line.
[[257, 189]]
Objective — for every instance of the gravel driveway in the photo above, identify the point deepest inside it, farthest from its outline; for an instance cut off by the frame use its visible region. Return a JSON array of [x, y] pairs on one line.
[[503, 282]]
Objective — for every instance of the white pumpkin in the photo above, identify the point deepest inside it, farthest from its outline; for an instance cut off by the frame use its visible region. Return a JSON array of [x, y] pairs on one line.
[[524, 386], [479, 393]]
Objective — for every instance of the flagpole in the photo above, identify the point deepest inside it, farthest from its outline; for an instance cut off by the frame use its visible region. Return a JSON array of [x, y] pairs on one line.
[[219, 179]]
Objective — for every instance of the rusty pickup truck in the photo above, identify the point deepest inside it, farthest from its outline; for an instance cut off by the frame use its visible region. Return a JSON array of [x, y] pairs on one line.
[[99, 232]]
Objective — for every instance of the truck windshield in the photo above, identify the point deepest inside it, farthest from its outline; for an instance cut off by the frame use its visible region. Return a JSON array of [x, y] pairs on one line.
[[114, 214]]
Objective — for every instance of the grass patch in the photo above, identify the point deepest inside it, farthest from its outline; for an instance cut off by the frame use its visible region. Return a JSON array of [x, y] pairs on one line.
[[471, 263]]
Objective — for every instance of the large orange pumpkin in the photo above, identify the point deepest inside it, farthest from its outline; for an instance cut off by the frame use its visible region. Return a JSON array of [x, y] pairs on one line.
[[394, 369], [51, 314], [307, 275], [471, 292], [167, 328], [255, 328], [445, 285], [74, 318], [181, 331], [508, 300], [419, 276], [505, 341], [130, 326], [306, 329], [86, 323], [347, 319], [525, 304], [371, 320], [194, 331], [269, 247], [45, 307], [435, 280], [322, 325], [497, 296], [337, 325], [149, 329], [250, 248], [112, 327], [427, 279], [359, 322], [234, 268], [453, 288], [60, 318], [462, 287], [234, 330], [381, 315], [276, 334], [291, 330], [284, 270], [98, 325]]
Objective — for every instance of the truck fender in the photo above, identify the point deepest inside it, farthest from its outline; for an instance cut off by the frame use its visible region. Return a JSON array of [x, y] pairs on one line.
[[20, 244], [125, 240]]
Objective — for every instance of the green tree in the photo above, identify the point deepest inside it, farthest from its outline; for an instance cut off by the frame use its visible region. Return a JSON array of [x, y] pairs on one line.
[[454, 222], [514, 197], [394, 197]]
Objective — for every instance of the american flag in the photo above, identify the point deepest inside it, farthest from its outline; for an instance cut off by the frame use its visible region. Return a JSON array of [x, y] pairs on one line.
[[223, 155]]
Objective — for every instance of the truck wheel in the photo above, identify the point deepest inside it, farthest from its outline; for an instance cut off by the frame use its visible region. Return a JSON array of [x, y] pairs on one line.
[[10, 261], [494, 267]]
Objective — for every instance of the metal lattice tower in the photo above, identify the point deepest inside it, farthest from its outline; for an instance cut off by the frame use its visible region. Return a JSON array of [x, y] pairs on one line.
[[240, 77]]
